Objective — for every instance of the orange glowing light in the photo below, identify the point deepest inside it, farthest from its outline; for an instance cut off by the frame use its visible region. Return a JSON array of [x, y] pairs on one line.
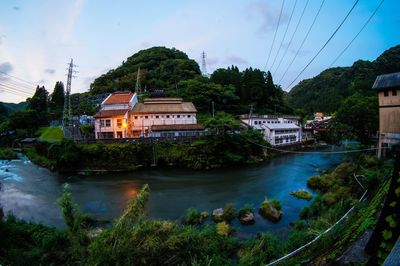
[[124, 125]]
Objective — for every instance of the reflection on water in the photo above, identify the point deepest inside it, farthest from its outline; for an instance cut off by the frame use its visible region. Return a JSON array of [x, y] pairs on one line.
[[30, 192]]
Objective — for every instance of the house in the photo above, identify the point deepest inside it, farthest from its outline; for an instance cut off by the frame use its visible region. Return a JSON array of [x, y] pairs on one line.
[[276, 130], [388, 89], [173, 114], [112, 120]]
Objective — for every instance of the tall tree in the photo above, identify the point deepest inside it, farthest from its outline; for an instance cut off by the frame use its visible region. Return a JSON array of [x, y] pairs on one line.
[[56, 103], [38, 103]]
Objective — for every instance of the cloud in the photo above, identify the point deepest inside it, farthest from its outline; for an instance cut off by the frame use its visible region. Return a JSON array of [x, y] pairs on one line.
[[2, 37], [268, 13], [50, 71], [212, 61], [235, 60], [5, 68], [16, 8]]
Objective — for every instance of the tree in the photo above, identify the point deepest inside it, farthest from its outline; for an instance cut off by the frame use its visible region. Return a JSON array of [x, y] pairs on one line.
[[56, 103], [358, 117], [38, 103], [222, 123]]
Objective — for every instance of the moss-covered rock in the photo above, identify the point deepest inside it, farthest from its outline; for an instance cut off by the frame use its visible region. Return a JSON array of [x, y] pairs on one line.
[[302, 194], [270, 210]]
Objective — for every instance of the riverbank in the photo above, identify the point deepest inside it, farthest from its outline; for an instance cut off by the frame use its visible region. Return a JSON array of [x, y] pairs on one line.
[[172, 242]]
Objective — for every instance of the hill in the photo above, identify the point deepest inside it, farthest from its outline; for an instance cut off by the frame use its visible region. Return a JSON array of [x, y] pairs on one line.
[[330, 88], [8, 108], [160, 67]]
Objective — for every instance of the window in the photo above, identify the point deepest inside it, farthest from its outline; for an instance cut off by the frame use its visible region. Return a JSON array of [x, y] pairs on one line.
[[394, 92], [157, 116], [119, 122], [167, 116], [136, 117], [179, 116], [105, 123], [386, 93], [188, 116], [146, 116]]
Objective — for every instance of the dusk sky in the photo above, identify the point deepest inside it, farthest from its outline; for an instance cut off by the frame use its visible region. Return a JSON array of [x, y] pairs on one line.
[[38, 38]]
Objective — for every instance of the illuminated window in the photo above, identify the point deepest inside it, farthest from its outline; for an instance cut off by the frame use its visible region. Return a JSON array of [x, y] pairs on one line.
[[119, 122]]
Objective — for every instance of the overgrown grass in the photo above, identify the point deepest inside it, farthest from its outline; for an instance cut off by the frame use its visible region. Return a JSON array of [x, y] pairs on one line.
[[50, 134], [7, 154]]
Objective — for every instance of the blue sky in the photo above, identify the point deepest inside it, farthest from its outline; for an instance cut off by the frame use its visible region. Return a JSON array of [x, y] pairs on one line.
[[38, 38]]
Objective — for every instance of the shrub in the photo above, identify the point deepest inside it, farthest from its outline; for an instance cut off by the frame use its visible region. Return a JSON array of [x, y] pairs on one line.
[[229, 212], [222, 229], [7, 154], [262, 250], [195, 217], [329, 198]]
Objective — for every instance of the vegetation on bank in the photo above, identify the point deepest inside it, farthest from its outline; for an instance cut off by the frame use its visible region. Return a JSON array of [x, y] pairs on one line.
[[50, 134], [7, 154], [169, 243], [302, 194]]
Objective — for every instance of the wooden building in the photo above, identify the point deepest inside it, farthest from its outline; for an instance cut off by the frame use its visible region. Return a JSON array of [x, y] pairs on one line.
[[388, 88]]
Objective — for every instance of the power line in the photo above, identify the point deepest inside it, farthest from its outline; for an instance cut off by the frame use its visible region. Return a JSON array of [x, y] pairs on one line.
[[4, 73], [325, 44], [291, 39], [355, 37], [15, 89], [284, 35], [19, 85], [276, 30], [303, 41]]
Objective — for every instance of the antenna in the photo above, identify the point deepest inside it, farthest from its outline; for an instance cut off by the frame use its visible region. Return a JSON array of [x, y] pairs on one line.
[[203, 64]]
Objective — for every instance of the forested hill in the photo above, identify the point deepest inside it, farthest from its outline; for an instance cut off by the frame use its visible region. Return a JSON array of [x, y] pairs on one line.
[[160, 67], [327, 91], [8, 108]]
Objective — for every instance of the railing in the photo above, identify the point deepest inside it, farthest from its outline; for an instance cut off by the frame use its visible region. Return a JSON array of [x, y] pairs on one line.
[[141, 139]]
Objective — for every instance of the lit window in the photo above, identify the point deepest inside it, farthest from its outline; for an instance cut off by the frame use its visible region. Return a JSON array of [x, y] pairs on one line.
[[119, 122]]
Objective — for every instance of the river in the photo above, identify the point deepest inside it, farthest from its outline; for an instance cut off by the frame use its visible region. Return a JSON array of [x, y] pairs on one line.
[[30, 192]]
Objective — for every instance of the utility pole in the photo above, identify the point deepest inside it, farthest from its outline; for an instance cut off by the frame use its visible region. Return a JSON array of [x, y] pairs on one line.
[[250, 114], [137, 87]]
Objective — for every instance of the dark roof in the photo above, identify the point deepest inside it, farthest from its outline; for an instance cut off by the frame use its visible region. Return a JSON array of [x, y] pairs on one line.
[[110, 113], [177, 127], [387, 81]]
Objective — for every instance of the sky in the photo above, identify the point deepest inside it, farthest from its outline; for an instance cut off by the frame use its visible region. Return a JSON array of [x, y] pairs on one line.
[[38, 38]]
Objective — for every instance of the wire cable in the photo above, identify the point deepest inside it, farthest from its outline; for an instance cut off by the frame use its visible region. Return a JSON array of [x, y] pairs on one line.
[[276, 30], [355, 37], [291, 39], [28, 82], [303, 41], [284, 35], [325, 44], [16, 89]]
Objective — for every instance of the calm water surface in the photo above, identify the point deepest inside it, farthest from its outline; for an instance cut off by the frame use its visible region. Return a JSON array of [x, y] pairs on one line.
[[30, 191]]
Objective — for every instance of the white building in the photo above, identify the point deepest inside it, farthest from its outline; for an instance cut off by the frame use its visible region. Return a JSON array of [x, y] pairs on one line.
[[276, 130]]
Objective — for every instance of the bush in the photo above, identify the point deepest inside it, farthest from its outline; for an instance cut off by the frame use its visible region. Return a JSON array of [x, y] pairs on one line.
[[7, 154], [222, 229], [229, 213], [302, 194], [262, 250]]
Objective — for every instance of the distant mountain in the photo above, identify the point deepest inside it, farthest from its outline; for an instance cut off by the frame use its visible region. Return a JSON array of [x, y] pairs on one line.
[[326, 91], [8, 108], [160, 67]]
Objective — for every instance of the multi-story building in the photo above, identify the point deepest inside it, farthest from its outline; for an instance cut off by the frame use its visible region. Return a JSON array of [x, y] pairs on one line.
[[276, 130], [388, 88], [112, 120]]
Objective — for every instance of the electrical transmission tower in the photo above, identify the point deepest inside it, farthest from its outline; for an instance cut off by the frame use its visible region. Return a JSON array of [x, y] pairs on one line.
[[67, 116], [203, 64]]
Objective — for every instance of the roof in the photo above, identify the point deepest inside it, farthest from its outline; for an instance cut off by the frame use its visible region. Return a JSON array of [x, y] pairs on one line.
[[177, 127], [110, 113], [387, 81], [119, 97], [281, 126], [164, 105]]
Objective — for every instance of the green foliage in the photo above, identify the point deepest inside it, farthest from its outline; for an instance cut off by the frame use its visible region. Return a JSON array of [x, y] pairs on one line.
[[248, 208], [56, 101], [222, 228], [302, 194], [23, 243], [39, 103], [222, 124], [271, 209], [330, 88], [160, 67], [87, 131], [195, 217], [229, 212], [7, 154], [28, 120]]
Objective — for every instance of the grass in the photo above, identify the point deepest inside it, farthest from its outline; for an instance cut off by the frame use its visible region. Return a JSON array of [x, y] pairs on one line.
[[51, 134], [302, 194]]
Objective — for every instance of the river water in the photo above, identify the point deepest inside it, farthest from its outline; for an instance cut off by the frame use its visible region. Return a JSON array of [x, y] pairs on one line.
[[30, 192]]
